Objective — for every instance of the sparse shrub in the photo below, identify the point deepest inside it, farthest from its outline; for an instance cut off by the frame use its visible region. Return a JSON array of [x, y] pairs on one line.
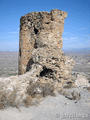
[[28, 101], [71, 95], [43, 89], [2, 99], [68, 85], [88, 88]]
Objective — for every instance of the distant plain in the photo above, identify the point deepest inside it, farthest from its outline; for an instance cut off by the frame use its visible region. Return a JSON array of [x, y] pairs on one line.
[[9, 63]]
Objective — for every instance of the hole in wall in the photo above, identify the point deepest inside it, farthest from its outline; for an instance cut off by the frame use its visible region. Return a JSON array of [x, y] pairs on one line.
[[35, 30], [46, 72], [47, 22], [35, 45], [20, 52], [30, 62]]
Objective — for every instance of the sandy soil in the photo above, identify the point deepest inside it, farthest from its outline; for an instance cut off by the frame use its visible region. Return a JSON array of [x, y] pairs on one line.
[[52, 108]]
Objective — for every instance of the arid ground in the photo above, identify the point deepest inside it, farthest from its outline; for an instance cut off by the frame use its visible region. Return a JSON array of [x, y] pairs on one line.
[[51, 108], [82, 62], [8, 63]]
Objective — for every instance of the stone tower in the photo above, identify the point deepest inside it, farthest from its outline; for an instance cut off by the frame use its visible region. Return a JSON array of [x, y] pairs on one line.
[[37, 30]]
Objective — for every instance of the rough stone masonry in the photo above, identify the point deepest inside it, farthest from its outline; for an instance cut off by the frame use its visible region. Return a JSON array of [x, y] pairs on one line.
[[41, 45], [41, 54]]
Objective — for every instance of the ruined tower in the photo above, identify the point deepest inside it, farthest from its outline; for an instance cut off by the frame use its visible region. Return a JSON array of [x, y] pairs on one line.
[[37, 30]]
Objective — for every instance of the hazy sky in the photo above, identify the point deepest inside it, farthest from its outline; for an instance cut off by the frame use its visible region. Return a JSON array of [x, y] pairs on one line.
[[76, 28]]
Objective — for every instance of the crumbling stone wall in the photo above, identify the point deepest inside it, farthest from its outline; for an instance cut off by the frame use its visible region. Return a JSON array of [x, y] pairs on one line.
[[40, 30], [41, 54]]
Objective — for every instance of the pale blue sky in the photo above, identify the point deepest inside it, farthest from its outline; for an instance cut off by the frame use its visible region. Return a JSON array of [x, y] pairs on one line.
[[76, 29]]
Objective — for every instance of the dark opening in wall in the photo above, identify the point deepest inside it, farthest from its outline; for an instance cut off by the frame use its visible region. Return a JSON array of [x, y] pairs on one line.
[[35, 30], [20, 52], [35, 45], [47, 22], [46, 72], [30, 62]]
